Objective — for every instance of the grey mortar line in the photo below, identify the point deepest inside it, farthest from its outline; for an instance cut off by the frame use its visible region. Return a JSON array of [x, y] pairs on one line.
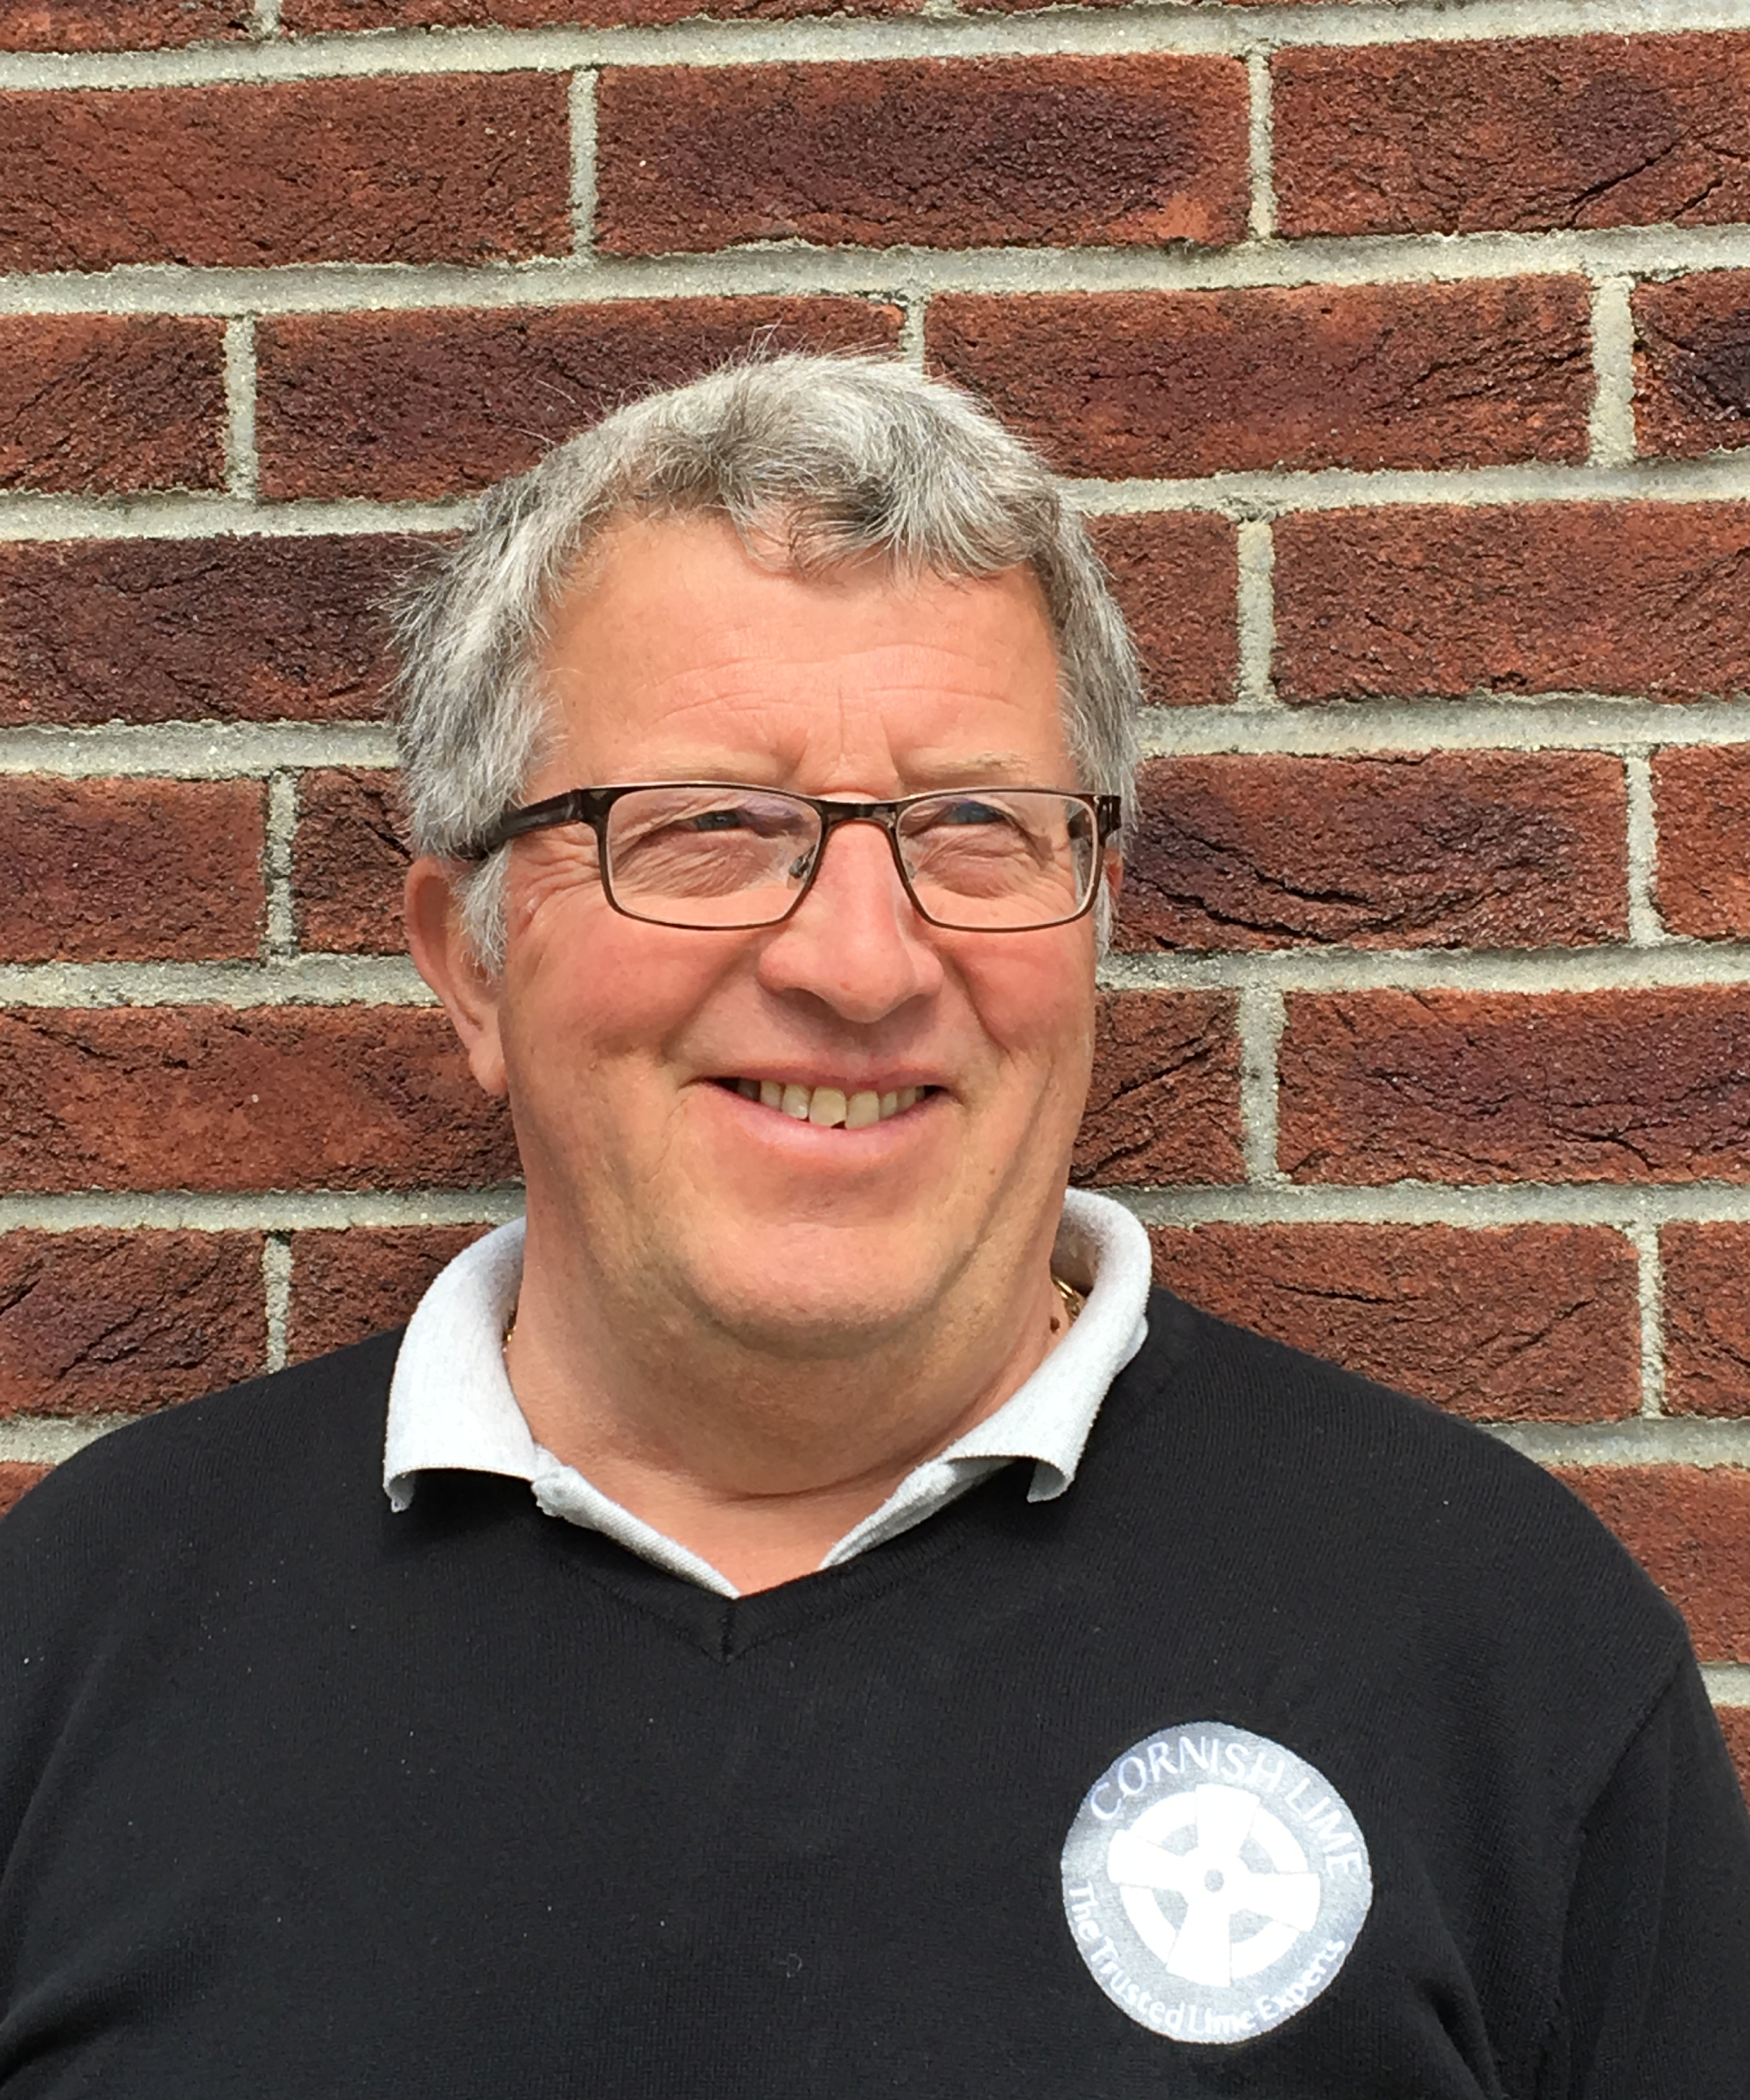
[[1256, 613], [46, 1440], [1612, 428], [1261, 215], [279, 942], [1547, 970], [796, 266], [1474, 1207], [313, 1210], [1650, 1297], [1632, 1443], [305, 980], [1259, 1025], [1646, 929], [1069, 30], [267, 18], [190, 516], [581, 109], [195, 751], [1237, 495], [1728, 1683], [277, 1294], [913, 346], [1553, 722], [242, 468]]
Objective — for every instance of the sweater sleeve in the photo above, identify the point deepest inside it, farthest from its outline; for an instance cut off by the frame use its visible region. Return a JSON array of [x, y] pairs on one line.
[[1655, 1992]]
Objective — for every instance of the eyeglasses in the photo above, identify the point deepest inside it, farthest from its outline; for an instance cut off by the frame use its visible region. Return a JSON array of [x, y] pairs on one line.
[[712, 854]]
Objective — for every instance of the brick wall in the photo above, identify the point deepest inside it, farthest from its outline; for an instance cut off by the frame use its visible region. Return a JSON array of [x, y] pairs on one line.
[[1402, 357]]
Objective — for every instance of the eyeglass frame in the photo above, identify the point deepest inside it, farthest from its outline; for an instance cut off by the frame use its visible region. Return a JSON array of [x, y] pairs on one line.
[[591, 806]]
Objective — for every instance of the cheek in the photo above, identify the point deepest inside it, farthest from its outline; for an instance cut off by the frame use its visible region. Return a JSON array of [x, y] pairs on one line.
[[1035, 1003]]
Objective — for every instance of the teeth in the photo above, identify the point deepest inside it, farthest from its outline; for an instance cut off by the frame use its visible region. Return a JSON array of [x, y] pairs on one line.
[[828, 1107]]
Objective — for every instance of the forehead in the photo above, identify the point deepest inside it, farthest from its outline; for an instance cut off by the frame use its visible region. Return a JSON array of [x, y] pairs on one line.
[[676, 651]]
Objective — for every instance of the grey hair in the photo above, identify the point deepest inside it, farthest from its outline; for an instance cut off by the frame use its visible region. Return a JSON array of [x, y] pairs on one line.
[[816, 461]]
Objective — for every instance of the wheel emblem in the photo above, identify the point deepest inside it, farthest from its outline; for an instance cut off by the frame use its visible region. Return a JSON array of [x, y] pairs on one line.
[[1215, 1883]]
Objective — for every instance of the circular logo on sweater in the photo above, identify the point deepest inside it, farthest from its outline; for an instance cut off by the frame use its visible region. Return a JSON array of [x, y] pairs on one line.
[[1214, 1882]]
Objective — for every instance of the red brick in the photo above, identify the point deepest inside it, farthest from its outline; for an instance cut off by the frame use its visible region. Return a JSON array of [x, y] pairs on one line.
[[105, 404], [1193, 383], [435, 403], [1176, 576], [445, 168], [349, 861], [1124, 151], [1642, 599], [1561, 131], [1607, 1086], [1707, 1319], [1526, 1322], [1164, 1102], [178, 630], [304, 16], [120, 871], [95, 1323], [118, 24], [1692, 364], [1734, 1725], [1494, 849], [1702, 796], [1687, 1526], [218, 1098], [16, 1476], [345, 1286]]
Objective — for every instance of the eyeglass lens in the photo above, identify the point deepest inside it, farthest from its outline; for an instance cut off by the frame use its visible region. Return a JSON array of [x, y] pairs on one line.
[[705, 856]]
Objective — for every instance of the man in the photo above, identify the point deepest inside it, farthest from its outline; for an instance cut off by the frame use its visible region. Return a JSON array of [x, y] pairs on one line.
[[796, 1617]]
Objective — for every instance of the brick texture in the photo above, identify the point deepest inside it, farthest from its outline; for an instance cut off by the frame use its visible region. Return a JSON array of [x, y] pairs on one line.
[[1626, 1086], [175, 630], [349, 861], [214, 1098], [16, 1476], [1488, 849], [345, 1286], [433, 404], [1687, 1527], [1174, 383], [108, 405], [1176, 576], [943, 153], [302, 16], [1734, 1725], [443, 169], [1702, 799], [118, 24], [1707, 1319], [1692, 364], [1525, 1322], [110, 870], [1556, 131], [1645, 600], [1164, 1105], [96, 1323]]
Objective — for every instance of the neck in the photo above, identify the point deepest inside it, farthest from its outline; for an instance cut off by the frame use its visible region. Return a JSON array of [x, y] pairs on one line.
[[757, 1459]]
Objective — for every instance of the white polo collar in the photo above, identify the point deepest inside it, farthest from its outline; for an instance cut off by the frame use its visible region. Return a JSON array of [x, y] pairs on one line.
[[451, 1405]]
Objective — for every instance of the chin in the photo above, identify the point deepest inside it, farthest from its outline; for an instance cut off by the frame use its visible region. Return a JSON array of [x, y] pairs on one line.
[[814, 1310]]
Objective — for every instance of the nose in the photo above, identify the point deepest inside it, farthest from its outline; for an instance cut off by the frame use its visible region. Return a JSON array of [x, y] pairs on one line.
[[855, 941]]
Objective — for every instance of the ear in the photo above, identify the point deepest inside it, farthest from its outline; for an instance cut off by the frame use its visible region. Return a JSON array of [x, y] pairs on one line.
[[444, 958]]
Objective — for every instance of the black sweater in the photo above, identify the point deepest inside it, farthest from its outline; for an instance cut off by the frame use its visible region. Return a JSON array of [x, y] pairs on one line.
[[302, 1797]]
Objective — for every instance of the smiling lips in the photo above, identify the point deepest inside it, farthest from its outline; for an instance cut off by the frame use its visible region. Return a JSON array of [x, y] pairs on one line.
[[828, 1107]]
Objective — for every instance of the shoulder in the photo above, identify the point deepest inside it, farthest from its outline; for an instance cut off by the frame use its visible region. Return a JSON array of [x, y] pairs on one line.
[[256, 1455], [1401, 1518]]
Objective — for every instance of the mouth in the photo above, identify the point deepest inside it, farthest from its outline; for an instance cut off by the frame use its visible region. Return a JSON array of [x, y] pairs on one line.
[[830, 1108]]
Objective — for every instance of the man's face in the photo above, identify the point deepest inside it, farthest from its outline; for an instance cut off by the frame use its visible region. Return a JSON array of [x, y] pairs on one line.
[[619, 1042]]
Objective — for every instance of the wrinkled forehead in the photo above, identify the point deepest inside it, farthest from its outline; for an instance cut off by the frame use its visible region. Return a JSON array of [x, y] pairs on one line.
[[678, 643]]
